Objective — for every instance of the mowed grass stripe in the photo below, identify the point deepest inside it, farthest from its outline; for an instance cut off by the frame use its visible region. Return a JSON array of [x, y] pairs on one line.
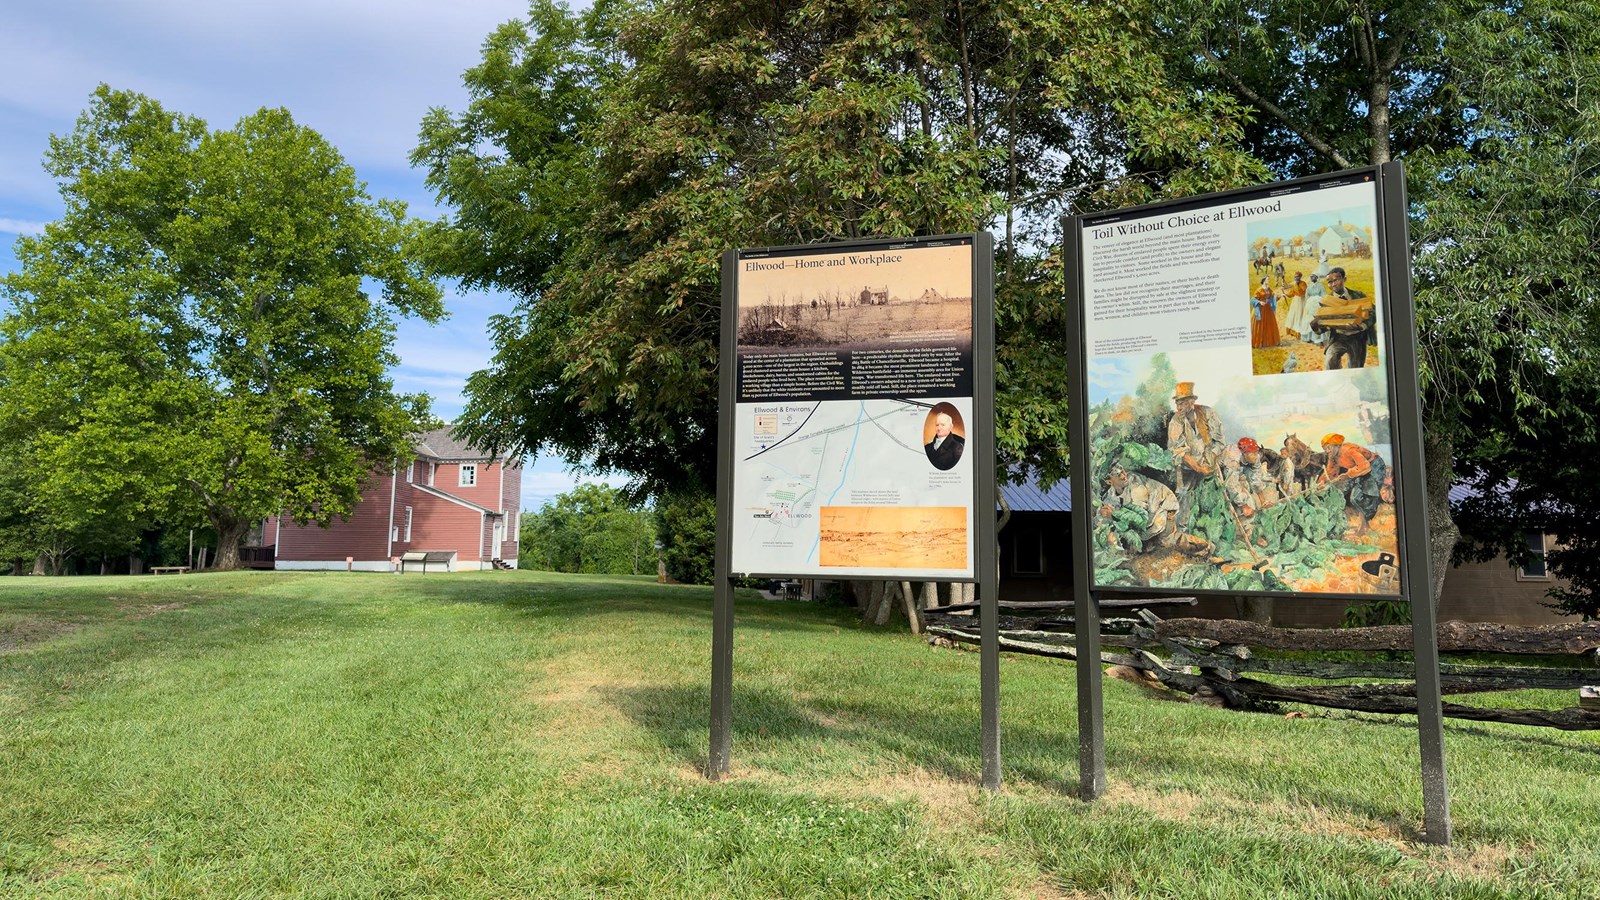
[[517, 734]]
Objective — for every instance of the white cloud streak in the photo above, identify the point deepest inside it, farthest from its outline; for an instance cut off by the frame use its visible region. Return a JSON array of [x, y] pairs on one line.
[[18, 226]]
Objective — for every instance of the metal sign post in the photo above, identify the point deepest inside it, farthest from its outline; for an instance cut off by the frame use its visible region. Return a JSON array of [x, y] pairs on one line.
[[1086, 603], [1412, 487]]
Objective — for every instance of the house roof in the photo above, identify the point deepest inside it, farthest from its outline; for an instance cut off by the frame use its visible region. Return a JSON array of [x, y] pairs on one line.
[[1028, 496], [438, 444], [444, 495]]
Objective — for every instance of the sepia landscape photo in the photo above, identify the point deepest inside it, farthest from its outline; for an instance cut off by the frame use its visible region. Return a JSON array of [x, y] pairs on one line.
[[923, 299], [895, 537]]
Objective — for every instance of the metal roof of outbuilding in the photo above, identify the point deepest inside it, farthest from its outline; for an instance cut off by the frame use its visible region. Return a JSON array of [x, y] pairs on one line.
[[1028, 496]]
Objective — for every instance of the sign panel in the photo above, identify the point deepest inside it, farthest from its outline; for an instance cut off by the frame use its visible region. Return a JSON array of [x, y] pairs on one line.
[[853, 409], [1238, 393]]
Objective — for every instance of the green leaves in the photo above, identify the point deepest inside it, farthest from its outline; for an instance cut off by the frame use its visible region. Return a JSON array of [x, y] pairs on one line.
[[194, 338]]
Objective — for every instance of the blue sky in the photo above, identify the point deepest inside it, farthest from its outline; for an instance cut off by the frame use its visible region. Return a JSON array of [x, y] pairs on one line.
[[361, 72]]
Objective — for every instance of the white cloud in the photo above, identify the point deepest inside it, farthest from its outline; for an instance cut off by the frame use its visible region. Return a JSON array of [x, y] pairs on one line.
[[547, 477], [18, 226]]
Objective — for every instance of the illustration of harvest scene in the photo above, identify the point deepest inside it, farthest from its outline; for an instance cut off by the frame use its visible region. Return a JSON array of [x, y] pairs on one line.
[[1240, 484], [1313, 300]]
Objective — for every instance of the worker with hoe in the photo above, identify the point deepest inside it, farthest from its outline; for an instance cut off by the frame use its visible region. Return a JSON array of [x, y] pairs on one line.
[[1358, 472]]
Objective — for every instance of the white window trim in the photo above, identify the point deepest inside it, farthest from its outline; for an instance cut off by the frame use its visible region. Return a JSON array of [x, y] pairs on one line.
[[408, 525], [462, 479], [410, 471]]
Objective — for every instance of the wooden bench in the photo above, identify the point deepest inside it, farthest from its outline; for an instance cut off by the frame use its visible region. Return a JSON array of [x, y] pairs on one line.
[[168, 570], [423, 557]]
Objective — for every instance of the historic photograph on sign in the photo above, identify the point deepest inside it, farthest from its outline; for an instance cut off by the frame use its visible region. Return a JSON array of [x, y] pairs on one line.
[[857, 301], [1313, 293], [1237, 396], [854, 403]]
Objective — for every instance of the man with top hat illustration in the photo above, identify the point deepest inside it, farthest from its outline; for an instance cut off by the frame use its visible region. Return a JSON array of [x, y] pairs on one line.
[[1194, 435]]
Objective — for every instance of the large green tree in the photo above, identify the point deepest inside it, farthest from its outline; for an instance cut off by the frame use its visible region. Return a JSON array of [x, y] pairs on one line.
[[1495, 110], [196, 337], [607, 158]]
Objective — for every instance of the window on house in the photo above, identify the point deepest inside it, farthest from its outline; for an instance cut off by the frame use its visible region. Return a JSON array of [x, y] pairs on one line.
[[1534, 569], [469, 475], [410, 470], [432, 468], [1027, 553], [408, 524]]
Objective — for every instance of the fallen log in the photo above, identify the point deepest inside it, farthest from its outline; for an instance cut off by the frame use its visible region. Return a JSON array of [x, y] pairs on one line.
[[1454, 637], [1457, 679], [1393, 699], [1032, 648], [1112, 603]]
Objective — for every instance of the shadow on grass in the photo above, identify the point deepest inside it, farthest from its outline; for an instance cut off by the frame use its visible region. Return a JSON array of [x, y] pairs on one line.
[[593, 596], [768, 722]]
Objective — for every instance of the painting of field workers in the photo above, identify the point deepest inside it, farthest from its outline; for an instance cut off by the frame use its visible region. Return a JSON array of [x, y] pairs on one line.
[[1205, 477]]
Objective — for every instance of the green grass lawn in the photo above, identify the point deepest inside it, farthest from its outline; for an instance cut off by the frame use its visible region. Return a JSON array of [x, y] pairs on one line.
[[515, 734]]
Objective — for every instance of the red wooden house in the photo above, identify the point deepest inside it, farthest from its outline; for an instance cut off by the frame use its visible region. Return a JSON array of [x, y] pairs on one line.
[[453, 498]]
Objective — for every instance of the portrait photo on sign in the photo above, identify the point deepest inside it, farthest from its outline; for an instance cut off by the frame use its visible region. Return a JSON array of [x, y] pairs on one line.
[[1313, 303], [944, 436], [1205, 477]]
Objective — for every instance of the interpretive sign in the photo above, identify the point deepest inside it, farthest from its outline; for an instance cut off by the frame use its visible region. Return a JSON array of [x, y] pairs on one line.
[[1237, 354], [853, 408]]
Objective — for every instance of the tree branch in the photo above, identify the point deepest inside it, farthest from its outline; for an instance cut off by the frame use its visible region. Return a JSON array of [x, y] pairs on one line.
[[1277, 112]]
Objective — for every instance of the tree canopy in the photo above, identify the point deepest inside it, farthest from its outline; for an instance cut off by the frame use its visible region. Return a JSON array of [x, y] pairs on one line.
[[194, 339], [607, 157], [591, 528]]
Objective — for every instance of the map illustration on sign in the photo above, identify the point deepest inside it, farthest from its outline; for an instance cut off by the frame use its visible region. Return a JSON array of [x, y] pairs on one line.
[[854, 395]]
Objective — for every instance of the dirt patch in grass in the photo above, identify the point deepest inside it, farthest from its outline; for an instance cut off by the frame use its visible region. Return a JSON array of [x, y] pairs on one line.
[[1483, 862], [1176, 806], [582, 727], [1044, 890], [145, 612], [29, 632], [1487, 862], [34, 630]]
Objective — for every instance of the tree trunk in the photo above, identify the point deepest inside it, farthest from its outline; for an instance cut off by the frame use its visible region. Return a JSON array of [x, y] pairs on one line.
[[886, 592], [930, 595], [231, 531], [39, 563], [1442, 529], [869, 595], [908, 599]]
